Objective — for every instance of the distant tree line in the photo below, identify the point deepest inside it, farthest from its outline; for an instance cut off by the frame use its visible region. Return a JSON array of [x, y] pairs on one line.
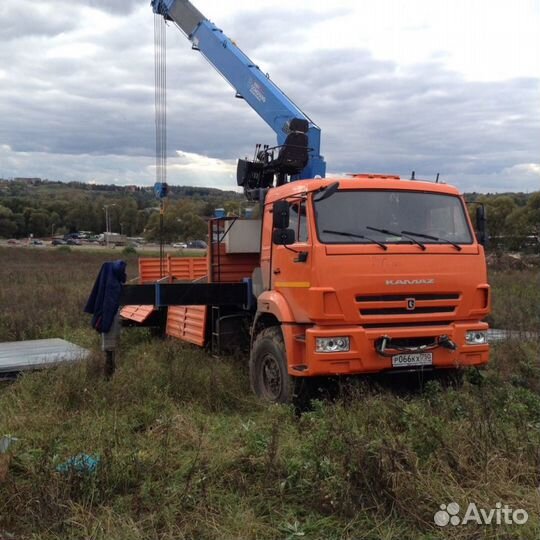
[[45, 209], [513, 220]]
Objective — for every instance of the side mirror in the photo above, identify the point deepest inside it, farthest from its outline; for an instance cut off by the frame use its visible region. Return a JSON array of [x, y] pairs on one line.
[[281, 213], [283, 237], [481, 224]]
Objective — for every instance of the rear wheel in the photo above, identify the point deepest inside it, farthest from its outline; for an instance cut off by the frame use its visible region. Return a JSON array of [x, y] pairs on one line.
[[269, 376]]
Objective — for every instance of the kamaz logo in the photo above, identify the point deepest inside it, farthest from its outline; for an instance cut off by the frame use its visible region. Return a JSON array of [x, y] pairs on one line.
[[410, 282]]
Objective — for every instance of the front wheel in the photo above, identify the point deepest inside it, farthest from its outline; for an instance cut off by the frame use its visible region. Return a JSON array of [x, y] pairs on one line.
[[268, 372]]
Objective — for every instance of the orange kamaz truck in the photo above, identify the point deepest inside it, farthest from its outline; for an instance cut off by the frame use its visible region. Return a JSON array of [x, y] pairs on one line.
[[339, 276], [366, 273]]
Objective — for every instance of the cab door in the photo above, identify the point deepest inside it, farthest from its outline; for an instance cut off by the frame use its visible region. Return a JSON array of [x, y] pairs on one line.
[[290, 271]]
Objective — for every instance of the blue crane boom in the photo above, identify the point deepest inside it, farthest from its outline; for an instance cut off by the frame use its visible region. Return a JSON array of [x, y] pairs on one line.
[[250, 83]]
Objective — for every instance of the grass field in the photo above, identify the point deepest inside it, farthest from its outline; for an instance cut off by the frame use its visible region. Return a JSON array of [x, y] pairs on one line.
[[185, 450]]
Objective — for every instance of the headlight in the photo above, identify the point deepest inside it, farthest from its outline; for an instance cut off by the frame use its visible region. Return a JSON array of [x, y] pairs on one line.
[[332, 344], [476, 337]]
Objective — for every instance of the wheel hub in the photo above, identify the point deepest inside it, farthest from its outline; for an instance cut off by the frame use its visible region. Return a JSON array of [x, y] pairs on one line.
[[271, 377]]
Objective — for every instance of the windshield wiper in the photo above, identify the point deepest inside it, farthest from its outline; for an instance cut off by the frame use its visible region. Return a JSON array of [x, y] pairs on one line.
[[353, 235], [429, 237], [401, 234]]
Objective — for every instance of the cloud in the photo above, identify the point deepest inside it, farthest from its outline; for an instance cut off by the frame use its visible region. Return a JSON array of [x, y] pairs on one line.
[[523, 177], [121, 7], [287, 24], [189, 161], [19, 20], [186, 168], [24, 18], [424, 118], [77, 92]]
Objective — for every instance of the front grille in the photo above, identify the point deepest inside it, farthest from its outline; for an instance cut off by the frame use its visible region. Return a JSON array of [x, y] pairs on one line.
[[409, 304], [408, 324], [405, 311], [398, 297]]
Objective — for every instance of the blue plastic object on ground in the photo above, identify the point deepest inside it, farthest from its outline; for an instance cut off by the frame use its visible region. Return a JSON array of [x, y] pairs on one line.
[[81, 463]]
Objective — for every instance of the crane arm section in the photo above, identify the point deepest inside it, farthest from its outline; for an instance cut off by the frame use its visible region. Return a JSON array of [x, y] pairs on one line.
[[250, 83]]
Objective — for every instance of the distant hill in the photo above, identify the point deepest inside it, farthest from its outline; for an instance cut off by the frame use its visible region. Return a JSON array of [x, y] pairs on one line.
[[47, 207]]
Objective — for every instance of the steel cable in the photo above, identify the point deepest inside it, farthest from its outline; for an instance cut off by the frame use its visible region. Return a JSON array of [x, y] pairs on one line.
[[160, 97]]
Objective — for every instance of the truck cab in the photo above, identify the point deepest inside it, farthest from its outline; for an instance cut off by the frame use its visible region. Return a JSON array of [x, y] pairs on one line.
[[381, 274]]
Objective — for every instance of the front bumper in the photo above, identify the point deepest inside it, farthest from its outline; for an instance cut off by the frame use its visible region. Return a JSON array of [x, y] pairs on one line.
[[364, 358]]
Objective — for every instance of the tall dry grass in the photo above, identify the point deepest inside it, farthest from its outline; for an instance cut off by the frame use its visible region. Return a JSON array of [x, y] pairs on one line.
[[43, 290], [516, 300], [186, 451]]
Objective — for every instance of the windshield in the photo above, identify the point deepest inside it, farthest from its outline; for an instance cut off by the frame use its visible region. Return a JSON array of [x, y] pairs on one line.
[[391, 217]]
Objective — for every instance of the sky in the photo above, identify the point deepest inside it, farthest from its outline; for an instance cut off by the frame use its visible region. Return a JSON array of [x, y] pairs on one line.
[[434, 86]]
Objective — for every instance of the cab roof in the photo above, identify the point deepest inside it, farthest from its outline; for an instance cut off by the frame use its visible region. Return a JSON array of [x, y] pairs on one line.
[[359, 181]]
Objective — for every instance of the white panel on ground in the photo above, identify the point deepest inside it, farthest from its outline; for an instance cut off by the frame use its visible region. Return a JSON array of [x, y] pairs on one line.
[[16, 356], [496, 335]]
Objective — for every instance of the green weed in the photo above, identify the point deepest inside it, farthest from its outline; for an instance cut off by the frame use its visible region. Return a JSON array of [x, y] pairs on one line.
[[186, 451]]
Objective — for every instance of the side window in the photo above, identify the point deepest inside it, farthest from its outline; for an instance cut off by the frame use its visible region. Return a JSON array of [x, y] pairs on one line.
[[298, 221]]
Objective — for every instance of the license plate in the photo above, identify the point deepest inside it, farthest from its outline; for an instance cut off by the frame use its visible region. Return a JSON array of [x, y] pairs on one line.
[[413, 359]]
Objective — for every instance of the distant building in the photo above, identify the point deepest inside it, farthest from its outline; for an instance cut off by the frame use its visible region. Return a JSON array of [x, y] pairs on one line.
[[31, 181]]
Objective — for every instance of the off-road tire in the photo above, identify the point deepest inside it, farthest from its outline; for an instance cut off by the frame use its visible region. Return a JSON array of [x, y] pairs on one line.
[[268, 373]]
